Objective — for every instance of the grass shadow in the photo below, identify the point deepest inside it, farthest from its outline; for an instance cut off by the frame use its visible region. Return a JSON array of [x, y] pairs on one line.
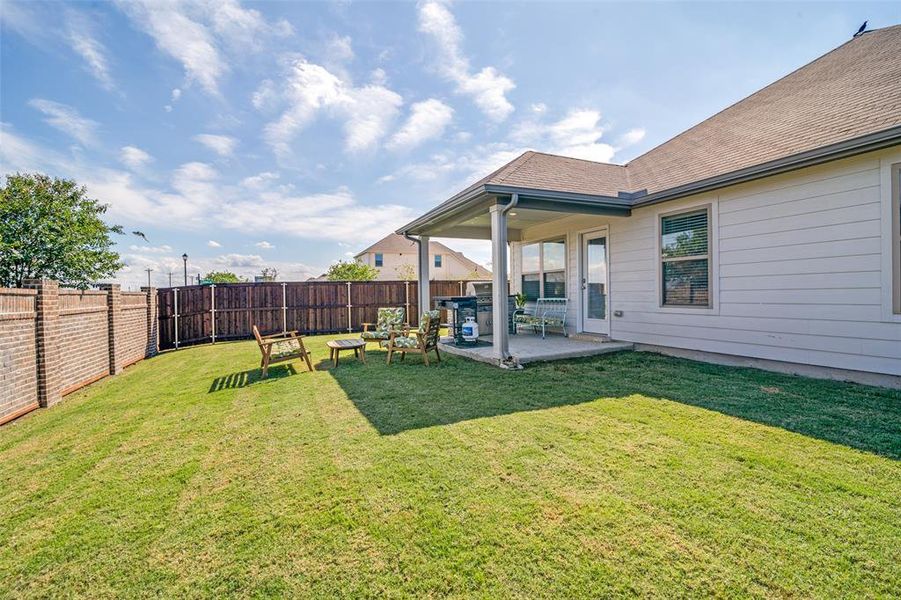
[[408, 395], [242, 379]]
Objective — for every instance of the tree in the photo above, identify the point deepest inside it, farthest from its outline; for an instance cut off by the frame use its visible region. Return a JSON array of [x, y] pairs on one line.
[[268, 274], [406, 272], [223, 277], [50, 229], [351, 270]]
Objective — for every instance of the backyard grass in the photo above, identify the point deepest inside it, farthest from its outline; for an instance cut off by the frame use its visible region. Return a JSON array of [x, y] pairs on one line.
[[625, 474]]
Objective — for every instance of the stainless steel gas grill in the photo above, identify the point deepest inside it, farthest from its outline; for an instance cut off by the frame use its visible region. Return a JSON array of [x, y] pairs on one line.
[[478, 304]]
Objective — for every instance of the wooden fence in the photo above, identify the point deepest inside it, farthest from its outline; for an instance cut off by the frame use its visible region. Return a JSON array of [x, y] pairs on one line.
[[207, 313]]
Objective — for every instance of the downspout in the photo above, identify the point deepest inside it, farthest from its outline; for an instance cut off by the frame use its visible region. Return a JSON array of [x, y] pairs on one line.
[[422, 306], [514, 200]]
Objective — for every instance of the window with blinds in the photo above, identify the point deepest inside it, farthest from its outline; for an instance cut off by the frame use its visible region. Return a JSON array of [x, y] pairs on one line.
[[685, 258], [896, 237], [544, 270]]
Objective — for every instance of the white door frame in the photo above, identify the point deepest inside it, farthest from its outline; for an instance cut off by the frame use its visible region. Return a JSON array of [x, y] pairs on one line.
[[604, 327]]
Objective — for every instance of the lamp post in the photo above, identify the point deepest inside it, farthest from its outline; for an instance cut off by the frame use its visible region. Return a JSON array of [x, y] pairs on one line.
[[184, 258]]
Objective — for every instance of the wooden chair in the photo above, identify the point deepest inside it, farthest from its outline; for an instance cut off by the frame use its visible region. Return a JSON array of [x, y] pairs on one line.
[[280, 347], [422, 341]]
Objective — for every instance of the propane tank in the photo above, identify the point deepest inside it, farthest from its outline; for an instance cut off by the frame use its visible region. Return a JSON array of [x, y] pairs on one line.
[[470, 329]]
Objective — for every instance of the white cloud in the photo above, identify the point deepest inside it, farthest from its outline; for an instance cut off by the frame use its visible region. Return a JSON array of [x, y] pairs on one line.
[[181, 37], [197, 199], [630, 138], [577, 134], [258, 180], [176, 94], [488, 88], [134, 157], [264, 245], [213, 244], [368, 112], [339, 49], [152, 249], [195, 33], [539, 107], [241, 260], [222, 145], [427, 120], [265, 96], [66, 119], [81, 40]]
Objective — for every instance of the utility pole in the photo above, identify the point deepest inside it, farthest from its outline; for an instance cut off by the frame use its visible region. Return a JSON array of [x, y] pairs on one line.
[[148, 276], [170, 278], [184, 258]]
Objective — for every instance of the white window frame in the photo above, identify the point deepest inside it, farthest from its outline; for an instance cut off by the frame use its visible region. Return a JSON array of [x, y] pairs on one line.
[[541, 270], [713, 268], [375, 259], [889, 167], [437, 261]]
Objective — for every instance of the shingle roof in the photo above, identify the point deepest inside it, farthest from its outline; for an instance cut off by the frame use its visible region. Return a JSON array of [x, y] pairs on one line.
[[849, 92]]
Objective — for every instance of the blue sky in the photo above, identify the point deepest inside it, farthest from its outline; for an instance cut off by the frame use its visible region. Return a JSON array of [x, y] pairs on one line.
[[292, 134]]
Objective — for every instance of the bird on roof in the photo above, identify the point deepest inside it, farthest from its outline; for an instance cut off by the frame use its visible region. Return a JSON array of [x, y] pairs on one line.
[[862, 29], [140, 234]]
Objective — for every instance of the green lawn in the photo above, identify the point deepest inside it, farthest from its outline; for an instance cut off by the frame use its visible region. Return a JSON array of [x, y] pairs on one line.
[[625, 474]]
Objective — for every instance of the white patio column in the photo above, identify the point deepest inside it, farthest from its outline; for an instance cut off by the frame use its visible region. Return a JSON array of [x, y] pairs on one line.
[[499, 282], [425, 301]]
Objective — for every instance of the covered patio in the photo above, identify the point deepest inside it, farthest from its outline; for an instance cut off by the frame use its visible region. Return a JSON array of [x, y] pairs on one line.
[[499, 208], [530, 347]]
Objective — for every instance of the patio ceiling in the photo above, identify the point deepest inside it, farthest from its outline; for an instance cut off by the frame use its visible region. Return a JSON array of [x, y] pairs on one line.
[[467, 214]]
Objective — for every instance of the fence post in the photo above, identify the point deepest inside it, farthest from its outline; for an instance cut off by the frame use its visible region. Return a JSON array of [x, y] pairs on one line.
[[213, 311], [114, 323], [47, 340], [175, 296], [407, 299], [284, 307], [349, 306], [152, 348]]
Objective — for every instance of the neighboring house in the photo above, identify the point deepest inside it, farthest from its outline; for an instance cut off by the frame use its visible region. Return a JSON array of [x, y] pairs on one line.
[[771, 230], [395, 257]]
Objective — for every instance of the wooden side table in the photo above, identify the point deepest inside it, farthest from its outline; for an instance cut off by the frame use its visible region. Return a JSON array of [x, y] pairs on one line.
[[336, 346]]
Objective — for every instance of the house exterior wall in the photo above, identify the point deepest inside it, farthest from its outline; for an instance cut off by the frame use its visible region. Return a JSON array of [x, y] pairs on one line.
[[451, 266], [800, 262]]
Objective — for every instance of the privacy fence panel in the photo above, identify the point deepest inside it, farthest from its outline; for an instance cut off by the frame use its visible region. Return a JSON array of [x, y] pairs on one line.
[[203, 314]]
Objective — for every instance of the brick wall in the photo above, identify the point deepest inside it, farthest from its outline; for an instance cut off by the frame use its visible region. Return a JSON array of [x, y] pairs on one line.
[[54, 341], [84, 338], [133, 330], [18, 354]]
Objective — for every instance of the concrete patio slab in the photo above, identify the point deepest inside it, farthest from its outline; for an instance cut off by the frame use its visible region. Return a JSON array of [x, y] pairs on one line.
[[527, 348]]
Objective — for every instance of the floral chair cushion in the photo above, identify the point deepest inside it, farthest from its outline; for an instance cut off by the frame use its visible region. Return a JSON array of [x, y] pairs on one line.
[[375, 335], [285, 348], [389, 319], [402, 341]]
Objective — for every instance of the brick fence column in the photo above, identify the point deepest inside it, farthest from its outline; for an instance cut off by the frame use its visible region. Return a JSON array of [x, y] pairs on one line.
[[153, 346], [114, 321], [49, 361]]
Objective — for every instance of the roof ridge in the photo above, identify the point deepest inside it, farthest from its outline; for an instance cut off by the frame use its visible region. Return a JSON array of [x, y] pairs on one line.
[[748, 97], [594, 162], [528, 153]]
